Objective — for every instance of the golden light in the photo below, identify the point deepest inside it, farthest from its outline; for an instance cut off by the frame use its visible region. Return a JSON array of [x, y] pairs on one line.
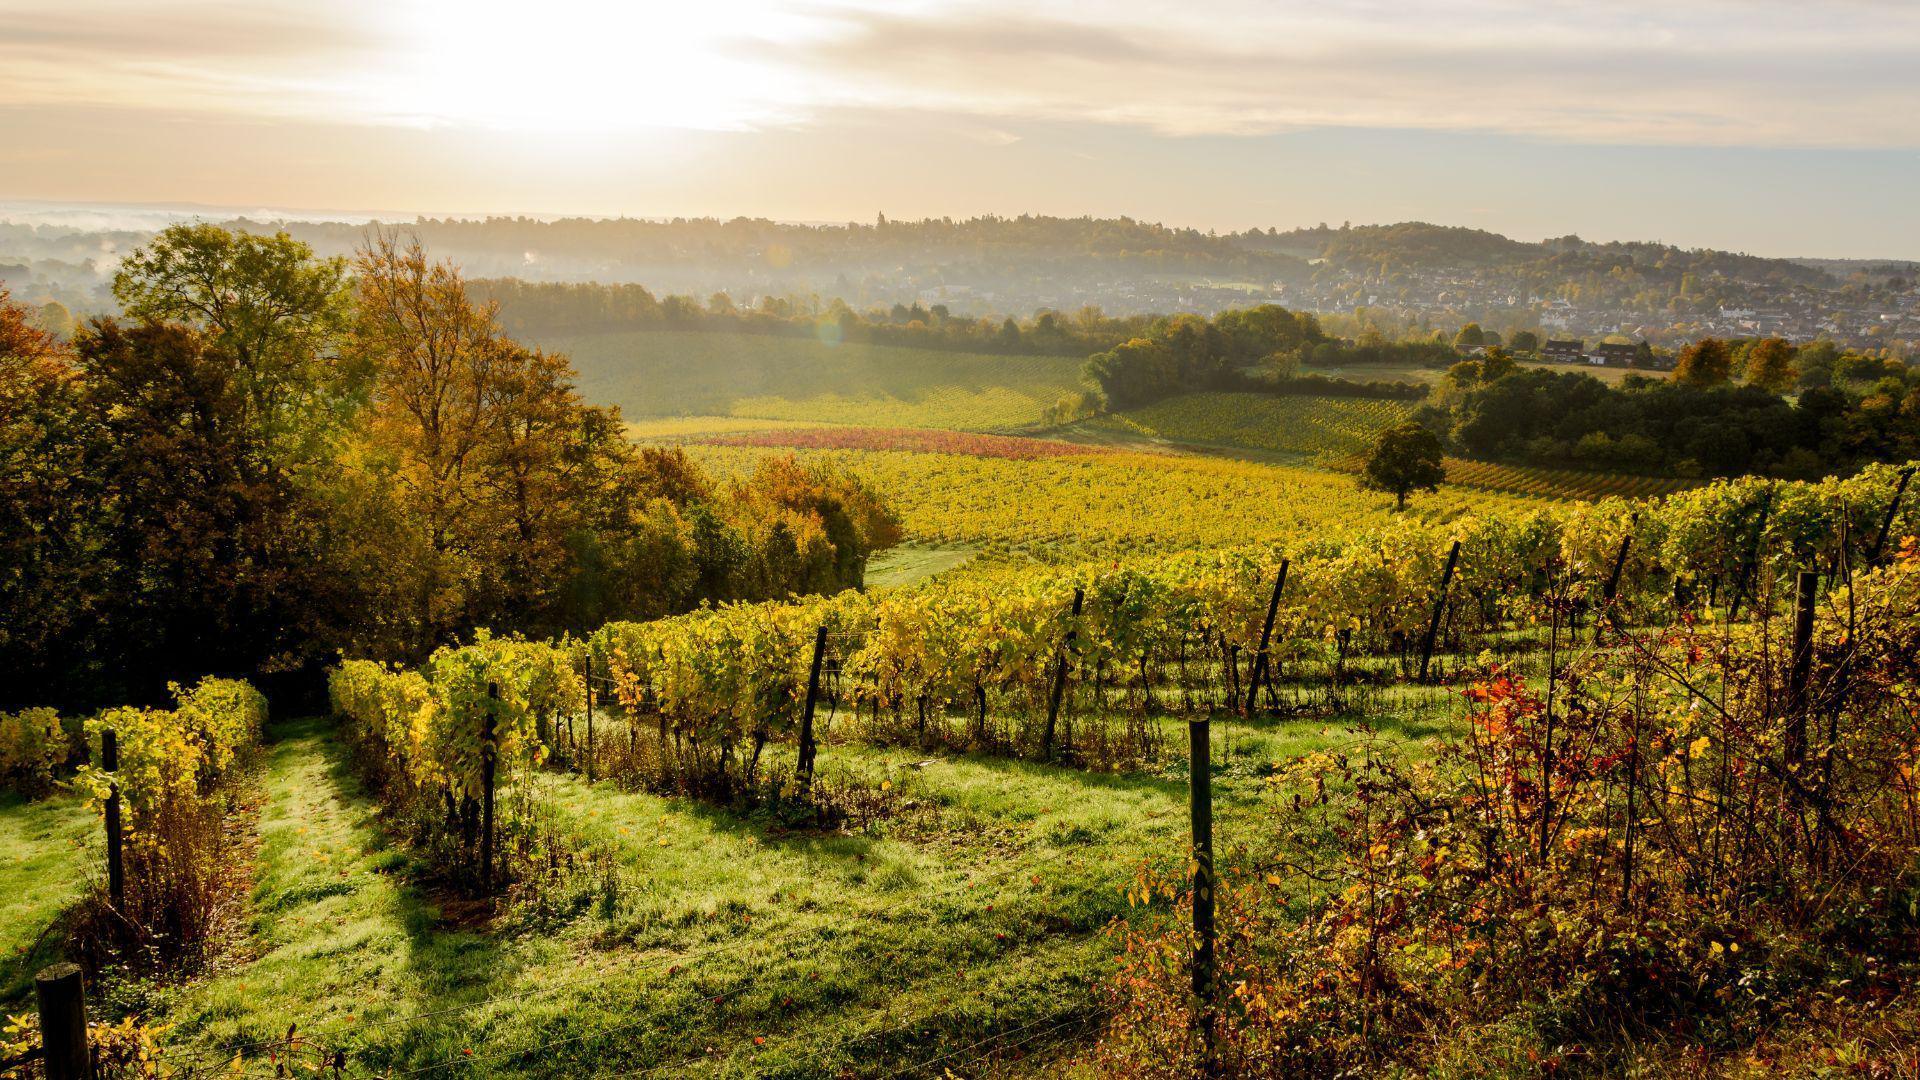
[[577, 66]]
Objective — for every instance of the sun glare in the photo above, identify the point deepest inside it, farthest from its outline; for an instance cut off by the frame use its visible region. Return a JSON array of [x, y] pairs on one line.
[[573, 66]]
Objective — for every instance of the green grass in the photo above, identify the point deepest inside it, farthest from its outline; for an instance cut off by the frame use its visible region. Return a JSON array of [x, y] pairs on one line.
[[908, 563], [48, 849], [685, 373], [703, 942], [1294, 426]]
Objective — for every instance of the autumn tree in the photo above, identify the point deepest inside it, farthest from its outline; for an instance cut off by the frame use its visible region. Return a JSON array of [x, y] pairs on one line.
[[1405, 459], [1770, 365], [277, 311], [1705, 363]]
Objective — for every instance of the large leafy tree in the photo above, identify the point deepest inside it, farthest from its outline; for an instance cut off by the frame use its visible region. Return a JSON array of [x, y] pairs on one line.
[[1705, 363], [1770, 365], [1405, 459], [277, 311]]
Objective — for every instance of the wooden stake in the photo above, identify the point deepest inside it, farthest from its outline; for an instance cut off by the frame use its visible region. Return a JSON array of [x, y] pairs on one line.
[[1613, 585], [1801, 669], [1439, 609], [1261, 661], [116, 865], [1886, 523], [805, 771], [1205, 980], [62, 997], [487, 762], [1060, 677]]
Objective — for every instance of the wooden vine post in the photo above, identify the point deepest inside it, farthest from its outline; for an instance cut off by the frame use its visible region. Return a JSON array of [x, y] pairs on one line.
[[116, 844], [1060, 676], [488, 755], [804, 772], [589, 718], [1893, 508], [61, 994], [1205, 975], [1439, 609], [1801, 669], [1262, 661], [1612, 588]]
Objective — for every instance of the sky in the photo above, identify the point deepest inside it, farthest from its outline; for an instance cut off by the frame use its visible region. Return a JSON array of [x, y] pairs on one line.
[[1781, 127]]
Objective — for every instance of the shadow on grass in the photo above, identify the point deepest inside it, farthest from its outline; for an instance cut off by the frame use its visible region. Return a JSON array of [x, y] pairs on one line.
[[447, 967]]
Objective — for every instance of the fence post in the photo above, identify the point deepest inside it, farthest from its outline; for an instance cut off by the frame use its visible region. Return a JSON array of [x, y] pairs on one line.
[[1439, 609], [1613, 583], [487, 763], [589, 718], [61, 991], [1060, 677], [805, 771], [1886, 523], [1200, 803], [1797, 676], [1261, 661], [116, 867]]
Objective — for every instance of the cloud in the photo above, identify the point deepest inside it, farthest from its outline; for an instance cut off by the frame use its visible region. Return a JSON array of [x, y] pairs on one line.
[[1781, 73], [270, 58], [1750, 73]]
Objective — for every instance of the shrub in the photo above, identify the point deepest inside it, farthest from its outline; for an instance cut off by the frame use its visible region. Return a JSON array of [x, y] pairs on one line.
[[176, 780], [1666, 841], [34, 746]]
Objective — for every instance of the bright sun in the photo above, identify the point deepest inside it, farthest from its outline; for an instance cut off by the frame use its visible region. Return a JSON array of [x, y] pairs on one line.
[[582, 66]]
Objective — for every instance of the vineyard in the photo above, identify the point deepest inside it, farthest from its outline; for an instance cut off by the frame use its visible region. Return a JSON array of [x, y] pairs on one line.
[[673, 373], [1306, 426], [1105, 505], [912, 440], [910, 831], [384, 708]]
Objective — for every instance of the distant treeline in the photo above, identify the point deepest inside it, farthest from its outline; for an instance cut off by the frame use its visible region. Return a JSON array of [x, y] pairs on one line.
[[1260, 349], [544, 308], [1698, 423]]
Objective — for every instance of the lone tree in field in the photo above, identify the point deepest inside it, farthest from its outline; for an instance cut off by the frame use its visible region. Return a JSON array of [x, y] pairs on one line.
[[1406, 459]]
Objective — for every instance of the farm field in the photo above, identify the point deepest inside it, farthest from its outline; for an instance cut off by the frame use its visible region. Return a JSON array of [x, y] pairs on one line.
[[1546, 483], [1305, 426], [680, 373], [1101, 505]]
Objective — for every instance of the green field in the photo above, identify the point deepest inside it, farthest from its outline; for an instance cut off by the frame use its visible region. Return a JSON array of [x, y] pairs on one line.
[[706, 943], [47, 851], [686, 373], [1303, 426]]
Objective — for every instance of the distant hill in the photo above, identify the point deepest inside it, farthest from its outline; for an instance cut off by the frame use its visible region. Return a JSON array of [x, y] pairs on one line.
[[1417, 245], [1424, 276]]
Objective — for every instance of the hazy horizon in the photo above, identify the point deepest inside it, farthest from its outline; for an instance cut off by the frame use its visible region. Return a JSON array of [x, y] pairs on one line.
[[1748, 125], [144, 216]]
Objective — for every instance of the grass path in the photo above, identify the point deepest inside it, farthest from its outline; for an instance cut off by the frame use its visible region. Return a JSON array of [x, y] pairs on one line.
[[47, 850], [698, 941], [339, 943]]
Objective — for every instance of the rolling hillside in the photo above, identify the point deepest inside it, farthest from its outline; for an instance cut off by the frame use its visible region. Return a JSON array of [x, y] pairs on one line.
[[680, 373]]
